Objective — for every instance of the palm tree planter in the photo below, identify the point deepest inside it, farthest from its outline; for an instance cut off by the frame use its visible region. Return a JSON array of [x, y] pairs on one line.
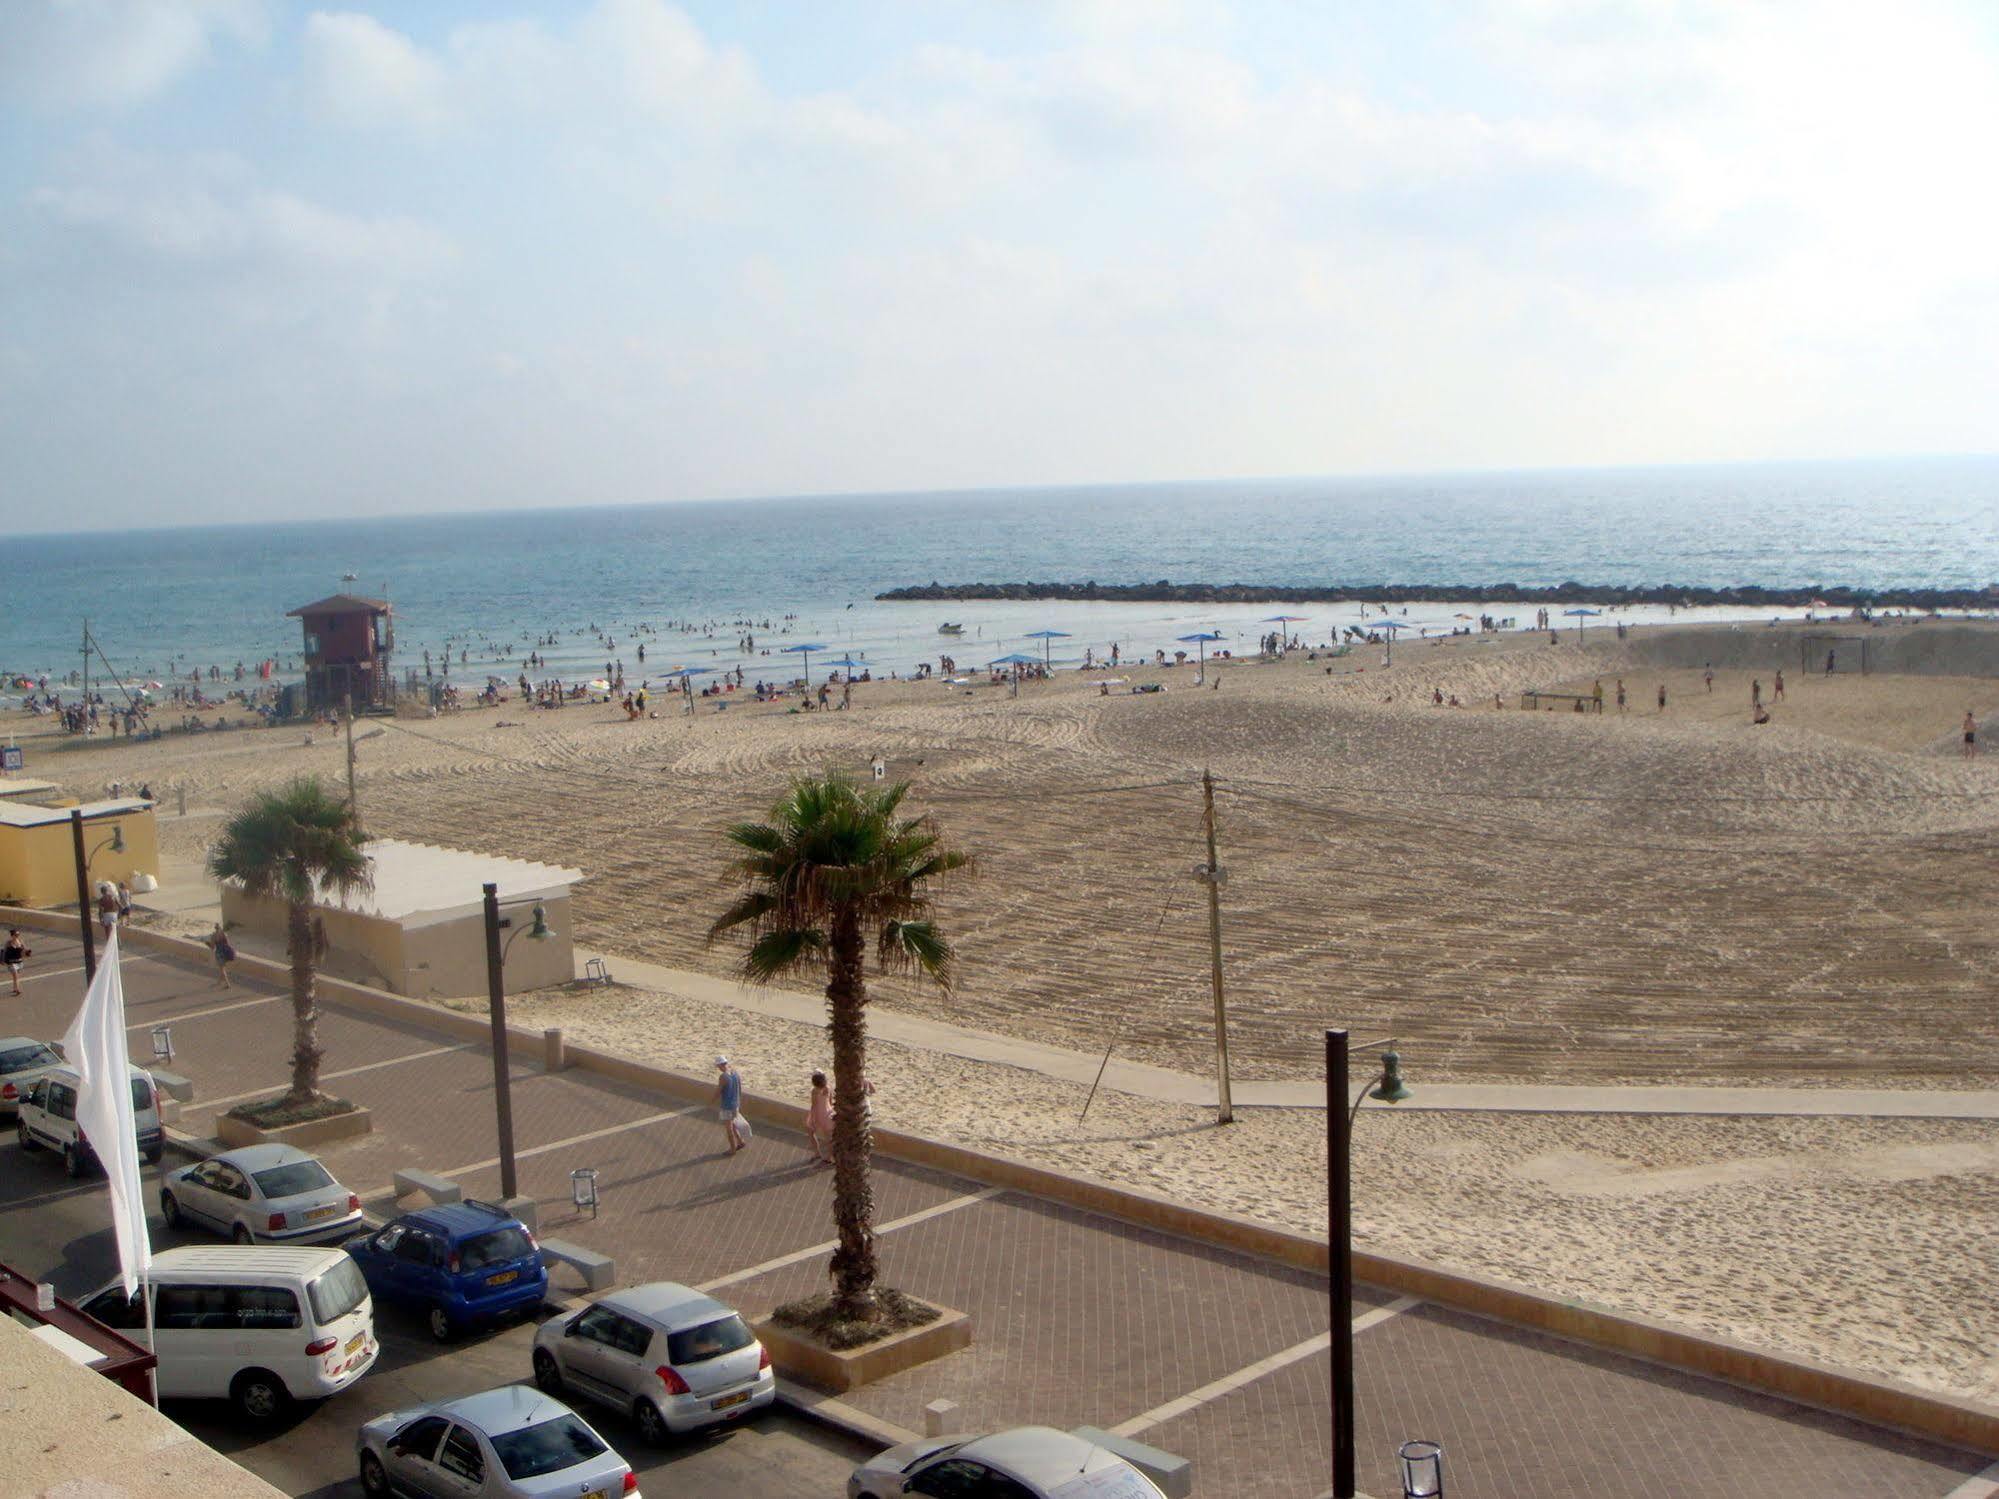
[[288, 845], [834, 867]]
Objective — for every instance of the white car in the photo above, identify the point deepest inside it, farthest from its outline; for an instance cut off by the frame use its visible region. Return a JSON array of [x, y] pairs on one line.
[[261, 1194], [1028, 1462], [23, 1062], [673, 1358], [509, 1443], [46, 1119]]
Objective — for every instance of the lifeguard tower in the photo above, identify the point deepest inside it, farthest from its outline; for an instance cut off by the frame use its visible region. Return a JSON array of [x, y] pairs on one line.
[[347, 645]]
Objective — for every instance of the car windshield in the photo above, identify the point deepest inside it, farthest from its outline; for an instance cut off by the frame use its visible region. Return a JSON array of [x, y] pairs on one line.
[[495, 1248], [547, 1448], [21, 1058], [290, 1180], [337, 1292], [142, 1094], [709, 1340]]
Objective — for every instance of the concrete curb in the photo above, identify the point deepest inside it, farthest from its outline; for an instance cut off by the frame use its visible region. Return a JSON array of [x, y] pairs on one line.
[[1881, 1402]]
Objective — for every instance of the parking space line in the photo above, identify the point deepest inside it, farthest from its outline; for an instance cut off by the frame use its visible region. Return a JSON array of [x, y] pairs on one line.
[[535, 1150], [241, 1004], [830, 1245], [1228, 1384], [56, 973], [1980, 1486], [327, 1077]]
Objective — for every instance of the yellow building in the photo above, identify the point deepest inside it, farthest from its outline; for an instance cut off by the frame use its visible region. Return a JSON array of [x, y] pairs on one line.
[[38, 852]]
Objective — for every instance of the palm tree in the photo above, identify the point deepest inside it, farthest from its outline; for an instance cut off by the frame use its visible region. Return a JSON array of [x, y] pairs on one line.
[[833, 865], [291, 844]]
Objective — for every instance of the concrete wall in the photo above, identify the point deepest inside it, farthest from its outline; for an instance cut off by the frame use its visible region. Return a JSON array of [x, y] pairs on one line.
[[68, 1430], [445, 959], [38, 864]]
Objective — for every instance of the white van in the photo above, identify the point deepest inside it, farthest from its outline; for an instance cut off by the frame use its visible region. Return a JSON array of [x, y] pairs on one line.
[[258, 1326], [47, 1117]]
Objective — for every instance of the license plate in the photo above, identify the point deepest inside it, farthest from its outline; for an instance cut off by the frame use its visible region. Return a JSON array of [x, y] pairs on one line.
[[316, 1215], [354, 1343], [503, 1277], [597, 1494], [728, 1400]]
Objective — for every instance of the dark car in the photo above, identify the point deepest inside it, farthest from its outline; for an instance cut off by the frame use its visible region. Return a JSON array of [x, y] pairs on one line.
[[463, 1265]]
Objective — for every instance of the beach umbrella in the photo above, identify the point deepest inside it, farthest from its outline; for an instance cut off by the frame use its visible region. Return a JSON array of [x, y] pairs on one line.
[[1200, 638], [1285, 619], [1579, 615], [1391, 626], [806, 651], [1044, 636], [846, 663], [1016, 659]]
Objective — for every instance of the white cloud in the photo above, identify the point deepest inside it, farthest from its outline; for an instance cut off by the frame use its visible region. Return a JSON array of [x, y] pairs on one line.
[[114, 54], [363, 73]]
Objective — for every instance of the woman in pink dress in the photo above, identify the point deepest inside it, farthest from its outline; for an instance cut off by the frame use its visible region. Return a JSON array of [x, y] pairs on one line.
[[819, 1118]]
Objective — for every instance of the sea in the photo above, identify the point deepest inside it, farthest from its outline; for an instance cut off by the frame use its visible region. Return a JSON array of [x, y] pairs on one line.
[[691, 579]]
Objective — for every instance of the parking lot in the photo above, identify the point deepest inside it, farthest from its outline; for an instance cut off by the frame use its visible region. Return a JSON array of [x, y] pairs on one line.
[[1079, 1319]]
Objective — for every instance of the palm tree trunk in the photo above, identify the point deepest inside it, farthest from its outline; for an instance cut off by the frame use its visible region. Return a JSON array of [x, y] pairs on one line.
[[305, 1012], [854, 1265]]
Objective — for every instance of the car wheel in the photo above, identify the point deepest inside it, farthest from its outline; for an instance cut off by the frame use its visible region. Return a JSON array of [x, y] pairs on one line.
[[439, 1322], [242, 1235], [259, 1395], [547, 1373], [652, 1425], [72, 1161], [25, 1135], [374, 1481], [153, 1156], [169, 1209]]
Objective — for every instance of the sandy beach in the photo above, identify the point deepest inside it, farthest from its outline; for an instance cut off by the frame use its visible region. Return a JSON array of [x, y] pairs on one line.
[[1677, 897]]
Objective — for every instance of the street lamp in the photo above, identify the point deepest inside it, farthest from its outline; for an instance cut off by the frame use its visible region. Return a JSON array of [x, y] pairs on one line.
[[116, 843], [1339, 1201], [496, 996]]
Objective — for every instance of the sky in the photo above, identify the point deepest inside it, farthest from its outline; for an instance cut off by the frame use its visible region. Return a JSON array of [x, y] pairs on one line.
[[258, 259]]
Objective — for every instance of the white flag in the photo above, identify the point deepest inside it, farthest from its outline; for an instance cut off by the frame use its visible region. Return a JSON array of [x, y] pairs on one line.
[[95, 1047]]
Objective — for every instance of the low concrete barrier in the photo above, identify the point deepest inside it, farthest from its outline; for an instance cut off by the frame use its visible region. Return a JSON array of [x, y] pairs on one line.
[[1882, 1402], [439, 1189]]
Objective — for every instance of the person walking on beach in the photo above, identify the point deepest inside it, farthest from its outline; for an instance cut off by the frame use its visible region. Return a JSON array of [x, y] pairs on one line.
[[124, 904], [1709, 676], [1830, 657], [1596, 696], [1620, 694], [1970, 744], [218, 943], [1662, 697], [14, 954], [1755, 693], [729, 1102], [1777, 689], [107, 909], [819, 1120]]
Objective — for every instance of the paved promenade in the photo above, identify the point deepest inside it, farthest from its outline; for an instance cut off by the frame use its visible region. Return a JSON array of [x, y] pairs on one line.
[[1168, 1086], [1079, 1318]]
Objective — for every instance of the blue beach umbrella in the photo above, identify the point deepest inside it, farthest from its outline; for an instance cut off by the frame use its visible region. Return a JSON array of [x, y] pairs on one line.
[[1044, 636], [806, 651], [846, 663], [1391, 626], [1200, 638], [1579, 615], [1016, 659]]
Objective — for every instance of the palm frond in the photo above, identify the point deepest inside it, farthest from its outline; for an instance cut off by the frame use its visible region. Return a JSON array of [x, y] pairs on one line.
[[919, 945], [775, 954]]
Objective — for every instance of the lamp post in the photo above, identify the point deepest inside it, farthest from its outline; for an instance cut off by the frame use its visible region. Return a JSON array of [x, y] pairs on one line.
[[1339, 1200], [496, 997], [116, 843]]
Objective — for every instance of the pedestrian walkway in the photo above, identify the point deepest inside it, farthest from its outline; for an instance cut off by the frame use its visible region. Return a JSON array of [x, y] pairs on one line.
[[1079, 1318], [1146, 1081]]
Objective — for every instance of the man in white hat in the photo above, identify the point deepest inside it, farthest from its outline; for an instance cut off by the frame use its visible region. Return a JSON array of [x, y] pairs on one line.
[[729, 1098]]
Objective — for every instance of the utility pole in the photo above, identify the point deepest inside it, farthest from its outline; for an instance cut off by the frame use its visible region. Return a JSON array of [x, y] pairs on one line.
[[86, 679], [353, 806], [83, 894], [1213, 876], [1339, 1226]]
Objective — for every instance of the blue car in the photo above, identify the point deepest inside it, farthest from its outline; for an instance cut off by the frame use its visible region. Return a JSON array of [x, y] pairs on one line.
[[462, 1265]]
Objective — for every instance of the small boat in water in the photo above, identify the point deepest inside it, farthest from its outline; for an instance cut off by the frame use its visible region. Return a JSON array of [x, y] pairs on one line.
[[950, 629]]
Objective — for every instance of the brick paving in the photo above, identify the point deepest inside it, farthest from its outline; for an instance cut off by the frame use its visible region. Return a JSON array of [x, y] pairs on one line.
[[1078, 1318]]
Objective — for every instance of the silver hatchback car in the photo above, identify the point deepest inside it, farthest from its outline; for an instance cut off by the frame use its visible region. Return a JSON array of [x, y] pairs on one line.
[[675, 1359], [509, 1443]]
